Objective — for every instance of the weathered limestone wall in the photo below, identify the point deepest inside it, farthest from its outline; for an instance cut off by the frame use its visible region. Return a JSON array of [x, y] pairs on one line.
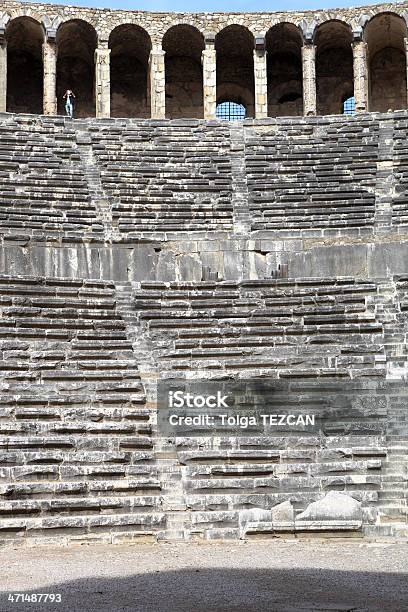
[[227, 258], [157, 24]]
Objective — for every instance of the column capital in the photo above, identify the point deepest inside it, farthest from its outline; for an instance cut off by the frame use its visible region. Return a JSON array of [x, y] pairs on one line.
[[308, 29], [357, 34], [50, 35], [102, 55], [308, 44], [157, 52], [260, 43], [103, 43], [209, 39]]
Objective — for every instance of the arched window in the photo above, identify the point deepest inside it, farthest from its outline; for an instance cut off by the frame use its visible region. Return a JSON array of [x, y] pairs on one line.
[[231, 111], [349, 106]]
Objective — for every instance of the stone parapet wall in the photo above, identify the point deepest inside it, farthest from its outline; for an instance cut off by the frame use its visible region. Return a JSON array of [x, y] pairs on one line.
[[156, 24]]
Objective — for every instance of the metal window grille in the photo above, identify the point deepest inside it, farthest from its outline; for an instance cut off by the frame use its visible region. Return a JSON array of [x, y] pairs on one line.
[[349, 106], [231, 111]]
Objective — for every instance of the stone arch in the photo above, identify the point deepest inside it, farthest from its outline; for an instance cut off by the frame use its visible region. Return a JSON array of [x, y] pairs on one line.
[[25, 37], [384, 35], [235, 67], [76, 44], [183, 45], [284, 69], [129, 69], [334, 66]]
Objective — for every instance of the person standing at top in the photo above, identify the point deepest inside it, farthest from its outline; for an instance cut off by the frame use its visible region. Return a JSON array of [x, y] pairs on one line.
[[69, 97]]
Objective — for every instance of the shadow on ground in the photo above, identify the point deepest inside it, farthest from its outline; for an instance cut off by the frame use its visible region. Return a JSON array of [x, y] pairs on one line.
[[232, 590]]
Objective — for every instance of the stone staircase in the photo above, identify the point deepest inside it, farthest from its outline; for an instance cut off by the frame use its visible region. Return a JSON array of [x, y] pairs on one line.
[[400, 159], [178, 522], [393, 508], [93, 178]]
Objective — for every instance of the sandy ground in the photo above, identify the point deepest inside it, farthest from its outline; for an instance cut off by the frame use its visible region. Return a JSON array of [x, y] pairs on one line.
[[275, 576]]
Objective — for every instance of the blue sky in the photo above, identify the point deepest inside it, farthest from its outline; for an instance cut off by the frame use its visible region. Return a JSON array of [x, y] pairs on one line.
[[217, 5]]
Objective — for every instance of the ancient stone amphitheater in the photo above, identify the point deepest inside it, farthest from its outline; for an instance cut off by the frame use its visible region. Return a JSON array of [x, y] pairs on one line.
[[148, 240]]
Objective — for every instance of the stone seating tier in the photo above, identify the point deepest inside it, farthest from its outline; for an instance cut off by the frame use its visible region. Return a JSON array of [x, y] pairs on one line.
[[76, 450], [125, 179], [290, 327], [80, 453], [313, 177]]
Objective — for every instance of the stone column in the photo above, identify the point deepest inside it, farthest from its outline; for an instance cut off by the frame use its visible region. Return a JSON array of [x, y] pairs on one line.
[[157, 84], [3, 71], [406, 55], [209, 61], [261, 83], [309, 78], [102, 81], [360, 74], [49, 51]]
